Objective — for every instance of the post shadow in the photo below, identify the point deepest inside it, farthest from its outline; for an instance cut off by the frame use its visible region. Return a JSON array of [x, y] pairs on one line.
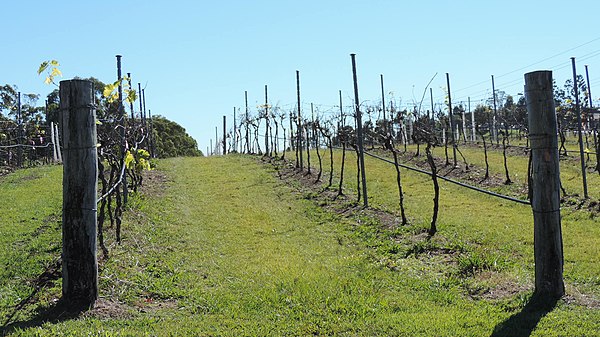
[[525, 321], [61, 311]]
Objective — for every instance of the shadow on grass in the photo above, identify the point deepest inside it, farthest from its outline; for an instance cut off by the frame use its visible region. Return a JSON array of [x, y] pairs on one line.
[[524, 322], [61, 311]]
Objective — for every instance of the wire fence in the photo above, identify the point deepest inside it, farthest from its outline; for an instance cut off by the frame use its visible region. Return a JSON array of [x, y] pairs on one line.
[[28, 145]]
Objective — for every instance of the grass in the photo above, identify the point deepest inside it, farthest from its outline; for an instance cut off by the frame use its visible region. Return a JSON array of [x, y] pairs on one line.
[[223, 248], [30, 215], [501, 227]]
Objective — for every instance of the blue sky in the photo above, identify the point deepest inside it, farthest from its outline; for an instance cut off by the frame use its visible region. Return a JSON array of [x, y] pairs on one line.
[[196, 58]]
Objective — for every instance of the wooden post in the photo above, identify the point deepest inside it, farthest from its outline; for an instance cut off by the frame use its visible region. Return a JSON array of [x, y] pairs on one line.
[[473, 133], [54, 151], [299, 121], [495, 118], [20, 135], [234, 139], [385, 130], [247, 123], [80, 180], [141, 105], [151, 131], [545, 184], [267, 149], [123, 116], [450, 119], [432, 117], [57, 137], [131, 103], [217, 140], [224, 135], [579, 131], [359, 135], [306, 127], [464, 124]]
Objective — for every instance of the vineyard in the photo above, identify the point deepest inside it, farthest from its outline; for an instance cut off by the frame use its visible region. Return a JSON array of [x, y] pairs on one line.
[[359, 220]]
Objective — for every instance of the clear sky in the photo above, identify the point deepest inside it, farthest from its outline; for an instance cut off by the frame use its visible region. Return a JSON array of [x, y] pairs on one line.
[[196, 58]]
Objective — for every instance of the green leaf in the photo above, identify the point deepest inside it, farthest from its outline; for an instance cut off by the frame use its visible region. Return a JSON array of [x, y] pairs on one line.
[[129, 160], [55, 72], [131, 96], [43, 67]]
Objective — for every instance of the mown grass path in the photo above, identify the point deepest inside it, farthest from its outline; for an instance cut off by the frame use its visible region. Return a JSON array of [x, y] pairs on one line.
[[224, 248]]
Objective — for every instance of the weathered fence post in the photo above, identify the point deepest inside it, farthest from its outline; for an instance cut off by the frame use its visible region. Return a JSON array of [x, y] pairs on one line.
[[80, 180], [20, 135], [545, 185], [299, 147], [57, 137], [359, 134], [247, 121], [579, 130], [451, 120], [224, 135], [54, 155]]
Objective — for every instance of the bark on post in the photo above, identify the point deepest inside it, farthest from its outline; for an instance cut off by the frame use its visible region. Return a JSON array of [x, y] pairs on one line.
[[545, 185], [80, 180]]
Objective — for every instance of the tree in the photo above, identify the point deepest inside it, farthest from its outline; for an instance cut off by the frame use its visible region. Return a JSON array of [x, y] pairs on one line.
[[565, 102], [171, 139]]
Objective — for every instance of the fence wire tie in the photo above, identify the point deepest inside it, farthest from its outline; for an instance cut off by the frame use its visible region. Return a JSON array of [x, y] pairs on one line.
[[79, 148], [538, 136], [545, 212], [82, 209], [85, 106]]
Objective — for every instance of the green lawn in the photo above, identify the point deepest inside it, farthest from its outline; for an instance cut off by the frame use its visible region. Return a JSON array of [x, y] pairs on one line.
[[224, 248]]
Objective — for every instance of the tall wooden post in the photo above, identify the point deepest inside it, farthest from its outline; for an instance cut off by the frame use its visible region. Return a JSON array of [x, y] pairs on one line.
[[234, 146], [545, 184], [20, 135], [359, 134], [578, 112], [57, 137], [224, 135], [54, 151], [451, 120], [385, 130], [299, 121], [267, 149], [123, 116], [80, 180], [473, 133], [247, 123], [308, 142], [151, 131], [142, 117], [495, 118], [131, 103], [432, 117], [143, 111]]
